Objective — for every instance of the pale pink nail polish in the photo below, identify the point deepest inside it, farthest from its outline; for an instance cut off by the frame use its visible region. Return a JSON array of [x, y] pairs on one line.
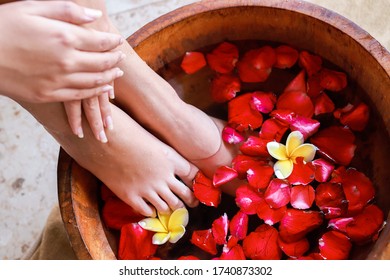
[[80, 132], [109, 123], [103, 137]]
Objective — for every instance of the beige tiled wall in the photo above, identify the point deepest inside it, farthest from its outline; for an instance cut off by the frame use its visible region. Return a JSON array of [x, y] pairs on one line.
[[28, 155]]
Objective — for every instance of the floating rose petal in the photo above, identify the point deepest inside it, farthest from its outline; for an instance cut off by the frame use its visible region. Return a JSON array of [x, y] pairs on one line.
[[356, 117], [323, 170], [232, 136], [302, 197], [224, 87], [334, 245], [286, 56], [205, 191], [223, 175], [357, 187], [232, 241], [323, 104], [234, 253], [366, 225], [223, 58], [204, 240], [302, 173], [278, 193], [340, 224], [262, 244], [117, 213], [296, 101], [240, 114], [220, 229], [332, 80], [248, 198], [255, 146], [329, 198], [273, 130], [314, 88], [263, 102], [135, 243], [310, 62], [269, 215], [336, 143], [242, 163], [306, 126], [295, 224], [294, 249], [298, 84], [286, 116], [239, 225], [256, 65], [193, 62], [259, 175]]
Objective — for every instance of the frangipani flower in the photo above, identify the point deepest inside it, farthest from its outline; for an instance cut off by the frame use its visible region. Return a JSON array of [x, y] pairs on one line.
[[168, 227], [287, 154]]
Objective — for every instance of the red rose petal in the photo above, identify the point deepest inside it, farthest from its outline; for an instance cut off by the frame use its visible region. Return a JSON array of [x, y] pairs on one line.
[[232, 136], [306, 126], [323, 170], [298, 84], [323, 104], [294, 249], [223, 58], [356, 117], [285, 116], [188, 258], [106, 193], [255, 146], [314, 88], [296, 101], [295, 224], [223, 175], [205, 191], [332, 80], [193, 62], [336, 143], [224, 87], [260, 175], [310, 62], [302, 197], [256, 65], [220, 229], [239, 225], [234, 253], [263, 102], [232, 241], [273, 130], [340, 224], [242, 163], [117, 213], [329, 197], [262, 244], [247, 198], [286, 57], [240, 114], [135, 243], [270, 215], [204, 240], [334, 245], [366, 225], [302, 174], [278, 193]]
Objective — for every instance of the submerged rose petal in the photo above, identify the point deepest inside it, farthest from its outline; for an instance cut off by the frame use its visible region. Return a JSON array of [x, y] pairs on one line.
[[334, 245], [298, 84], [314, 89], [295, 224], [259, 175], [330, 196], [240, 114], [296, 101], [247, 199], [302, 197], [302, 173], [273, 130], [223, 175], [224, 87], [332, 80], [262, 244], [323, 104], [278, 193], [310, 62], [239, 225], [256, 65], [223, 58], [355, 117], [204, 240], [294, 249], [286, 56], [189, 257], [192, 62], [336, 143], [220, 228], [270, 215], [205, 191], [323, 170], [263, 102], [232, 136]]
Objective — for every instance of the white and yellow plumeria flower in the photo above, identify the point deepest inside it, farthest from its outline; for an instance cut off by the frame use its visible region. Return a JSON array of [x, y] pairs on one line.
[[287, 154], [168, 227]]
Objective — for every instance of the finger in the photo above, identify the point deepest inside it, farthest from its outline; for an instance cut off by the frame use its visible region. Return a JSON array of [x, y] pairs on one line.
[[95, 61], [91, 80], [65, 11], [67, 94], [158, 203], [74, 113], [105, 111], [184, 193], [92, 112], [96, 41]]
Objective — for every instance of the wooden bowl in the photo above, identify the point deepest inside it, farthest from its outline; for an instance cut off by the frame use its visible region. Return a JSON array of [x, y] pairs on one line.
[[303, 25]]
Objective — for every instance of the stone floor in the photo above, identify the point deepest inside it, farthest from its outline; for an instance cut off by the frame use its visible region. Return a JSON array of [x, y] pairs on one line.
[[28, 155]]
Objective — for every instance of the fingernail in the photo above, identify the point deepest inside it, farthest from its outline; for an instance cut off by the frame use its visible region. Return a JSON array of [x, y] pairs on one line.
[[119, 73], [92, 13], [80, 132], [106, 88], [109, 123], [122, 56], [111, 94], [103, 137]]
